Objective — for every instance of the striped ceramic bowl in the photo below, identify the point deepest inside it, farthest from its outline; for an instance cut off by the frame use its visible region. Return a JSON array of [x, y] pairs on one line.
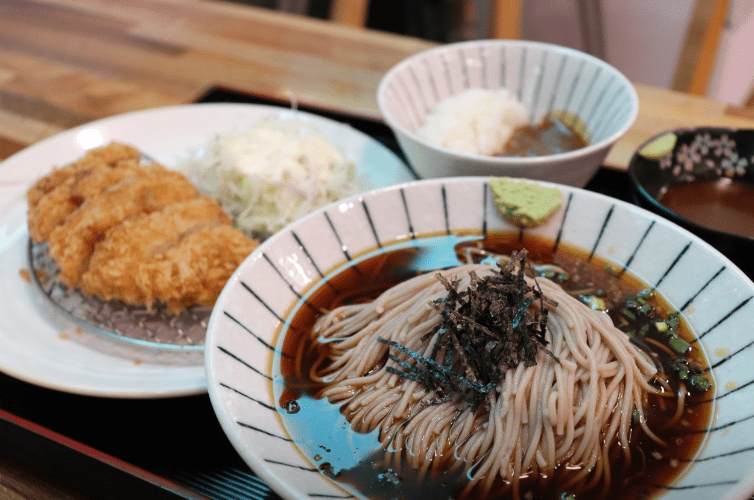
[[254, 314], [546, 78]]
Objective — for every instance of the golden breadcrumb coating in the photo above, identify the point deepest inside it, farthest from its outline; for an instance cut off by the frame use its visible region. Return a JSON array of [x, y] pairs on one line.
[[196, 270], [116, 259], [141, 234], [55, 206], [107, 155], [153, 188]]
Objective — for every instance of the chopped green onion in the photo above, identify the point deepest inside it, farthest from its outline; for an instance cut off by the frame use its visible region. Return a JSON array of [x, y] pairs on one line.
[[646, 309], [679, 345], [636, 416], [700, 382], [679, 365], [661, 326], [628, 313], [674, 320]]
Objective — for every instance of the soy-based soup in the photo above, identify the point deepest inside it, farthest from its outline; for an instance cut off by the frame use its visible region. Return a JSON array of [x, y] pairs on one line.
[[324, 432]]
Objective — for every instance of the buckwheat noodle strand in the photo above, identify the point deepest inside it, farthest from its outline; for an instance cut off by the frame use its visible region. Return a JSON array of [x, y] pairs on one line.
[[571, 411]]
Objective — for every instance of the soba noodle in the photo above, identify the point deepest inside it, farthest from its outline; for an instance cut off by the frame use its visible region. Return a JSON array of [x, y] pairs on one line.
[[570, 412]]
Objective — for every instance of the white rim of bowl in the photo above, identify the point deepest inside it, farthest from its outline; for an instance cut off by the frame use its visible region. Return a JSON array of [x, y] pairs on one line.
[[529, 161], [741, 491]]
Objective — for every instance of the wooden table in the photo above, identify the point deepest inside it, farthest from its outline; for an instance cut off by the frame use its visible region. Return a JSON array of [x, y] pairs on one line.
[[67, 62]]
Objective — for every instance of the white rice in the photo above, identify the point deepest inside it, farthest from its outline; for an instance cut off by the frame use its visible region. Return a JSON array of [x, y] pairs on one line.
[[476, 121]]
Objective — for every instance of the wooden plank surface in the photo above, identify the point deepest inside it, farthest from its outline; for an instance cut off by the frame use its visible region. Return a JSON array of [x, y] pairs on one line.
[[66, 62]]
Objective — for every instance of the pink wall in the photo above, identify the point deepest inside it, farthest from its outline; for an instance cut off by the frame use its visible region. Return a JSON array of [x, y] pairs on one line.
[[733, 80], [643, 39]]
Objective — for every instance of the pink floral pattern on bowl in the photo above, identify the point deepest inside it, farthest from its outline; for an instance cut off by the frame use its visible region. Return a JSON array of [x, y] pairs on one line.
[[707, 153], [689, 155]]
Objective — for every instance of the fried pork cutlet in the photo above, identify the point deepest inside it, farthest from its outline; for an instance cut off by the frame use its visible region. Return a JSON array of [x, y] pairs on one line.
[[195, 270], [116, 259], [54, 207], [72, 242], [137, 233], [109, 155]]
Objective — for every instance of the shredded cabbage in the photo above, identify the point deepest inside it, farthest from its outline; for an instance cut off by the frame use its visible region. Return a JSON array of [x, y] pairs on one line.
[[272, 174]]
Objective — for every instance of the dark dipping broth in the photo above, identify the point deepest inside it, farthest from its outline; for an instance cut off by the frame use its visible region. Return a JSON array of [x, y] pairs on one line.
[[550, 136], [323, 433], [722, 204]]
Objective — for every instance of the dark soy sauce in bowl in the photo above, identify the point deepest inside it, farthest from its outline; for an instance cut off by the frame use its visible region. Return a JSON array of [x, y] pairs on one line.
[[357, 461], [550, 136], [723, 204]]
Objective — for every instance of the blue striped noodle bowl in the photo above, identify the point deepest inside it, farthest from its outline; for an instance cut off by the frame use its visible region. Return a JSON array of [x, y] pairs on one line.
[[253, 314]]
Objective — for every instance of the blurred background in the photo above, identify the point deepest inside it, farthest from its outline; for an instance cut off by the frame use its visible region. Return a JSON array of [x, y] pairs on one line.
[[704, 47]]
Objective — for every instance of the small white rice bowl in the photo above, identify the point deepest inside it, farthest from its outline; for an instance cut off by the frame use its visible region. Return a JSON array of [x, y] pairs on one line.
[[544, 77]]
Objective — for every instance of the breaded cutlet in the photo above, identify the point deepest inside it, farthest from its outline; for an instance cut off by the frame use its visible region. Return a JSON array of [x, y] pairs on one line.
[[196, 270], [108, 155], [72, 242], [55, 206], [115, 262]]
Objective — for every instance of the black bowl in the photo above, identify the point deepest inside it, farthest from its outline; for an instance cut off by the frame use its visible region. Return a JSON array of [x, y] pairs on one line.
[[694, 155]]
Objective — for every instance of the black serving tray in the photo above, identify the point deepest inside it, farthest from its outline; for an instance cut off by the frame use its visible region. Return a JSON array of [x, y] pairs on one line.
[[154, 448]]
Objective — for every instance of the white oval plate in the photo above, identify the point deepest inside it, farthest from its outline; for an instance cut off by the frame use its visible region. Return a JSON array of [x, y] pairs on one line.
[[38, 349]]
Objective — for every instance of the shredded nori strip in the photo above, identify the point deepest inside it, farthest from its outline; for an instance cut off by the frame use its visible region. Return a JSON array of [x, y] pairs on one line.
[[484, 331]]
